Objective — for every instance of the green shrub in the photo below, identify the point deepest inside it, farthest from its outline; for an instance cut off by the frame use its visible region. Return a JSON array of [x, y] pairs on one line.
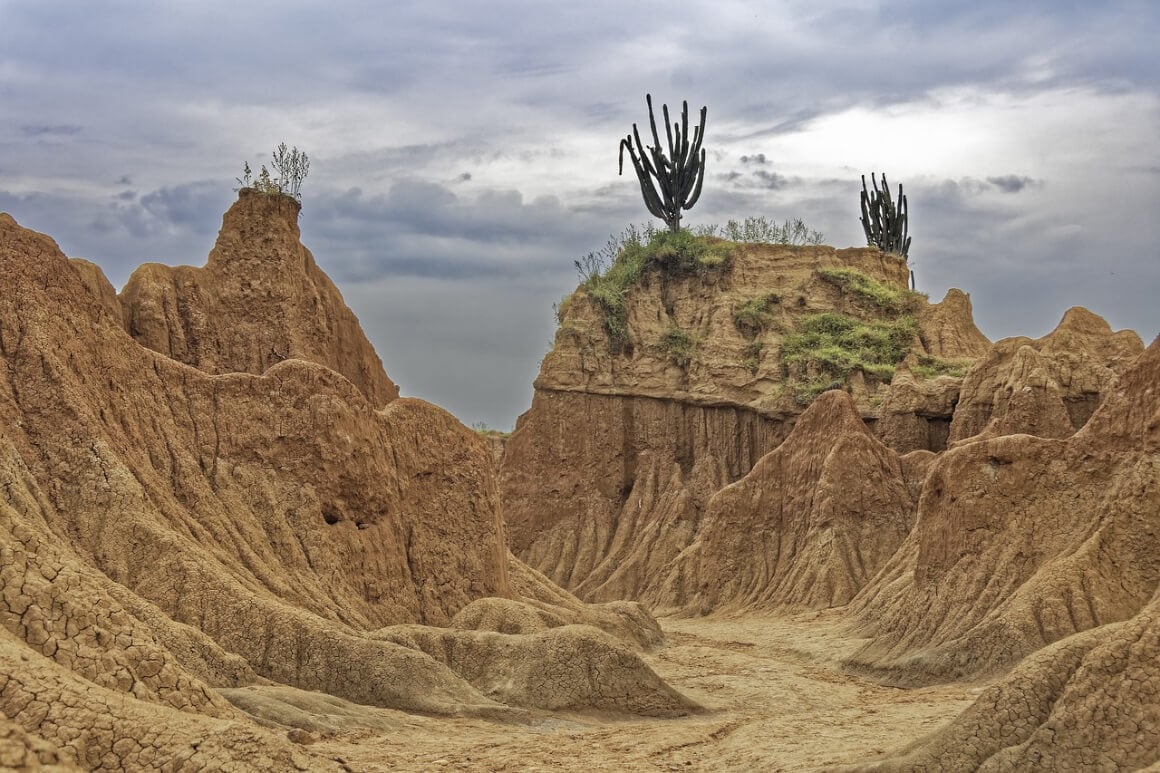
[[678, 346], [608, 281], [884, 296], [828, 347], [804, 392], [753, 316], [290, 168]]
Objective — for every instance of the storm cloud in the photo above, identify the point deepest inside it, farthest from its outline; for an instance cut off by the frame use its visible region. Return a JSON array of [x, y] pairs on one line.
[[464, 155]]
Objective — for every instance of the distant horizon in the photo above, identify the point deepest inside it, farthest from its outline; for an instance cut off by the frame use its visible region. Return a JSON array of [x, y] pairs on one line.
[[463, 157]]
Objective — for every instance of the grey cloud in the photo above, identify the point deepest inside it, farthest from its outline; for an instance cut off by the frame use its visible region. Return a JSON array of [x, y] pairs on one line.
[[756, 158], [424, 229], [58, 130], [771, 180], [1010, 183], [192, 207]]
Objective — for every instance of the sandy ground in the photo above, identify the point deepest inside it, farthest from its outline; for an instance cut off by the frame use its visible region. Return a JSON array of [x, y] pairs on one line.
[[775, 698]]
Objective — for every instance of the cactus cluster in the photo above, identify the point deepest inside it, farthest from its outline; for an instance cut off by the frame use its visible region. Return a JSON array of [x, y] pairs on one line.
[[883, 221], [673, 182]]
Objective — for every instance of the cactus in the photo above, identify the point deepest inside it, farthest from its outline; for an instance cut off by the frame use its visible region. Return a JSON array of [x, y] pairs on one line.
[[885, 225], [668, 183]]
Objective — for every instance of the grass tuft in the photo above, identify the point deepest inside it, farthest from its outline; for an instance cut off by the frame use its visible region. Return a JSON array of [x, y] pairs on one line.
[[933, 367], [826, 348], [883, 296], [678, 346], [753, 316]]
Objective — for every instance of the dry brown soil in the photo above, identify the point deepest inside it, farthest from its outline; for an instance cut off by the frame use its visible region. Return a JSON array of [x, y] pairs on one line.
[[777, 701]]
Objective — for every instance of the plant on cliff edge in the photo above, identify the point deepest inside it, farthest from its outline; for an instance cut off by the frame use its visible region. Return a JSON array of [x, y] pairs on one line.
[[673, 182], [883, 296], [761, 230], [290, 168], [883, 221]]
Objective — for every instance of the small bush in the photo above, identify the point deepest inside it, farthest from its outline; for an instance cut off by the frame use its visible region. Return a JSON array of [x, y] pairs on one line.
[[561, 309], [678, 346], [881, 295], [291, 166], [759, 230], [753, 316], [828, 347], [804, 392]]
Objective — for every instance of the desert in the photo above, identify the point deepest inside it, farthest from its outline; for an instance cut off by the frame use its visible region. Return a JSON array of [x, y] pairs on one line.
[[228, 543]]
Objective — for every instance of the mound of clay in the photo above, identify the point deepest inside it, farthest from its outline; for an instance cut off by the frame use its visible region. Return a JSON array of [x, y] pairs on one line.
[[1047, 387], [1088, 702], [602, 511], [165, 531], [1022, 541], [915, 414], [807, 527], [569, 667], [258, 301], [540, 605], [55, 719]]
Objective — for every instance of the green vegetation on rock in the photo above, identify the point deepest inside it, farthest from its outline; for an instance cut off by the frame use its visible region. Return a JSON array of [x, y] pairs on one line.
[[826, 348], [678, 346], [752, 357], [608, 274], [933, 367], [753, 316], [895, 299]]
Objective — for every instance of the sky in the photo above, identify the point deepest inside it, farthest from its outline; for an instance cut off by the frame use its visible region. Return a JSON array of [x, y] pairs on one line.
[[464, 154]]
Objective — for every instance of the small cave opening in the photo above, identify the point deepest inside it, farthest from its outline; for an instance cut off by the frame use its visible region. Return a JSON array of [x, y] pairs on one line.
[[330, 517]]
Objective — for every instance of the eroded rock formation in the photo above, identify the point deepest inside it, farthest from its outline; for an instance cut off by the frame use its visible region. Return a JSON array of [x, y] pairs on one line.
[[1021, 541], [606, 509], [1047, 387], [259, 300], [168, 529], [807, 526]]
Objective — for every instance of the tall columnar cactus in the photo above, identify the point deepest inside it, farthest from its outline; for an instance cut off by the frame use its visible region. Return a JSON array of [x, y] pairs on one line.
[[668, 183], [884, 224]]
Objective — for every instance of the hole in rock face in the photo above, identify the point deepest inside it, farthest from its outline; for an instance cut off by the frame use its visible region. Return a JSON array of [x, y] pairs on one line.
[[330, 517], [1081, 408], [938, 432]]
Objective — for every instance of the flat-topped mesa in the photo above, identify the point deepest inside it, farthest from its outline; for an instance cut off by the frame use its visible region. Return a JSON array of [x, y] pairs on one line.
[[711, 337], [708, 374], [259, 300]]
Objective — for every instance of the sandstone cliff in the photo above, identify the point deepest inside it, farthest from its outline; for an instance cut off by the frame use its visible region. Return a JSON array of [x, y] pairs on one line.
[[670, 418], [170, 536]]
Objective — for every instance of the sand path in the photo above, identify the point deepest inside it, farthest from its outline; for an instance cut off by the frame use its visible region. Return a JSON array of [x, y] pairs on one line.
[[776, 702]]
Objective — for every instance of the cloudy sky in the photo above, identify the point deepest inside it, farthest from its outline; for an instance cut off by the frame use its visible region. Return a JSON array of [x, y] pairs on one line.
[[464, 153]]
